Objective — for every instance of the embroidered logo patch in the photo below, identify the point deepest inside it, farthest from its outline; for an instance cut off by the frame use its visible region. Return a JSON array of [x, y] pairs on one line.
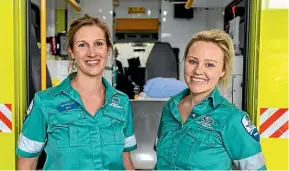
[[206, 121], [250, 128], [115, 100], [115, 103]]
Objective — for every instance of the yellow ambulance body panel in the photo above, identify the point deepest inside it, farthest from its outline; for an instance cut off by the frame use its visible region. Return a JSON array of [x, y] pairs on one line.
[[272, 117]]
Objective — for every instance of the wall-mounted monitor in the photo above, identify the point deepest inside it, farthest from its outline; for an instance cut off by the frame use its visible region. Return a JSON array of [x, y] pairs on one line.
[[181, 12], [61, 44]]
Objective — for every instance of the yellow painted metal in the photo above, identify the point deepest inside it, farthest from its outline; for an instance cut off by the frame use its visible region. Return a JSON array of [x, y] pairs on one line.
[[268, 72], [276, 153], [74, 4], [7, 86], [43, 43], [273, 75], [20, 64], [252, 96], [188, 4], [60, 20], [12, 73]]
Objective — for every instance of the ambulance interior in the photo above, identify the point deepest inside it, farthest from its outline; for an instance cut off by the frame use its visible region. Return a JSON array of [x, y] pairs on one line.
[[149, 38]]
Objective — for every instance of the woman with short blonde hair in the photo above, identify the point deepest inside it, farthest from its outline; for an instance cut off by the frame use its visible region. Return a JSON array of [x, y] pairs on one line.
[[200, 129]]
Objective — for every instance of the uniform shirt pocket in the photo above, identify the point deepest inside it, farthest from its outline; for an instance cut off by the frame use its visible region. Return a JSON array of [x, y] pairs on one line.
[[68, 128], [165, 140], [113, 122], [203, 136], [200, 143]]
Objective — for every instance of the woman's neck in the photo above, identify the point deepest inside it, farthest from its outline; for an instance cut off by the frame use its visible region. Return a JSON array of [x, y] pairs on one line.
[[88, 85], [197, 98]]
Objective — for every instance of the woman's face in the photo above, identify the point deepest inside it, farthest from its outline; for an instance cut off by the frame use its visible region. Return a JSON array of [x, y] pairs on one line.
[[90, 50], [203, 67]]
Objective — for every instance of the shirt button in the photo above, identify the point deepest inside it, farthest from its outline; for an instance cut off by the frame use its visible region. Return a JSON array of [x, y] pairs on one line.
[[193, 115]]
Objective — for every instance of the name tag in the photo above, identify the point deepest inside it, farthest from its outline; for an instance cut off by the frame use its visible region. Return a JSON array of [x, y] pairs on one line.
[[67, 106]]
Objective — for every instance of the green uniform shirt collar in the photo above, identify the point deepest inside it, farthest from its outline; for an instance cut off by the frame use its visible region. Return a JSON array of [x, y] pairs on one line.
[[214, 97], [206, 105], [66, 88]]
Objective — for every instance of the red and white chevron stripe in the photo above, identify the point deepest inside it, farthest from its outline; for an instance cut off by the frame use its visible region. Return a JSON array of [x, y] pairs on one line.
[[5, 118], [274, 122]]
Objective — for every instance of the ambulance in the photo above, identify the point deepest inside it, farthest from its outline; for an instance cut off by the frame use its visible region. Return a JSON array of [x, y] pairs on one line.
[[259, 84]]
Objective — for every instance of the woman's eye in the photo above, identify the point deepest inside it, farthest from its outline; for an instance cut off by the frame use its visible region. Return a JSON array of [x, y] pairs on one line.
[[210, 65], [82, 45], [192, 61], [98, 43]]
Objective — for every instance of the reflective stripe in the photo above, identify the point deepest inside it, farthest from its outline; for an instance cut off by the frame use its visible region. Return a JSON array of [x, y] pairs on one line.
[[251, 163], [6, 112], [130, 141], [4, 127], [156, 142], [29, 146]]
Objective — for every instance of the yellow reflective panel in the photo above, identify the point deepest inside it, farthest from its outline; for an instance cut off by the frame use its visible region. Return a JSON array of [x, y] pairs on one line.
[[13, 78], [7, 139], [273, 82]]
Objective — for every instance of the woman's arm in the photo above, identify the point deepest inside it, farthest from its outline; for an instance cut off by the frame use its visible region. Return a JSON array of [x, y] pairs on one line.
[[27, 163], [127, 162], [242, 142], [32, 138]]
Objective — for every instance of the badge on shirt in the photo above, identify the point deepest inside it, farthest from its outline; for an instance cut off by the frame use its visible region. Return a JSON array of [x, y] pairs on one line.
[[206, 121], [67, 106], [115, 103], [250, 128]]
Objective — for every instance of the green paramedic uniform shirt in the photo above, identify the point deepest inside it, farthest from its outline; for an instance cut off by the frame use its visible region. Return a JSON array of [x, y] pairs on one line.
[[215, 136], [71, 137]]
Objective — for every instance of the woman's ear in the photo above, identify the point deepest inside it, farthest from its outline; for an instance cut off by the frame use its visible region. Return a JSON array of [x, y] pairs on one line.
[[70, 52], [223, 74], [109, 50]]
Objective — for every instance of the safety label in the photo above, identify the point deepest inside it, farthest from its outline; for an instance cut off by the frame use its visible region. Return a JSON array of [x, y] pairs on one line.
[[274, 122], [5, 118]]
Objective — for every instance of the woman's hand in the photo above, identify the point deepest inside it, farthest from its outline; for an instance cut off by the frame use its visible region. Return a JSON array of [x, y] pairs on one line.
[[127, 162]]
